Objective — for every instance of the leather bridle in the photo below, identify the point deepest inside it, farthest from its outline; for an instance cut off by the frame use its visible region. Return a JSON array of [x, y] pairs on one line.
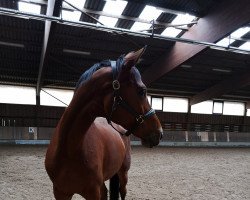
[[119, 101]]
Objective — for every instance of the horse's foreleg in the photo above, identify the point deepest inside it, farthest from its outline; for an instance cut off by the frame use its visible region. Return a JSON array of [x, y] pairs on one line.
[[123, 177], [94, 193], [104, 192], [60, 195]]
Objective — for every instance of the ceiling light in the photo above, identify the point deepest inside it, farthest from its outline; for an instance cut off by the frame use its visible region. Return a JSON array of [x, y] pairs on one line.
[[141, 60], [10, 44], [222, 70], [186, 66], [85, 53]]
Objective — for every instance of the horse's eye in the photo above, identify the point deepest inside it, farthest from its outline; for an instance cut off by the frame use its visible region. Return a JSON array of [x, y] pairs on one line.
[[142, 92]]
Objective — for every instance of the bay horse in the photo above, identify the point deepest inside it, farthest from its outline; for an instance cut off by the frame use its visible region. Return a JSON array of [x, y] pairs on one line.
[[85, 149]]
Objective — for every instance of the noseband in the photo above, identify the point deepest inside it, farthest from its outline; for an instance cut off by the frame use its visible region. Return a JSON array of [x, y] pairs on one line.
[[119, 101]]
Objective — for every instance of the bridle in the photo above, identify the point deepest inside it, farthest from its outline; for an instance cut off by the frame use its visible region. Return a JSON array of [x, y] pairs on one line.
[[119, 101]]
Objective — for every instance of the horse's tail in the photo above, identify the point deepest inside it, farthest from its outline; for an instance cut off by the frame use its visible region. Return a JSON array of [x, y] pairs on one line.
[[114, 187]]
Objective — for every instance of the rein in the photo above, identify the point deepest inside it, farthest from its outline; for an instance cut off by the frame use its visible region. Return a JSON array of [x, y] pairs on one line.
[[119, 101]]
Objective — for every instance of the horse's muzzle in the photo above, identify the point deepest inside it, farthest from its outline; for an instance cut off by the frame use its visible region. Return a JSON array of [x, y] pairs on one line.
[[153, 139]]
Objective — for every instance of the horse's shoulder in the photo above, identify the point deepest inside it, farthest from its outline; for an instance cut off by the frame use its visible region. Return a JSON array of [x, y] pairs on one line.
[[100, 121]]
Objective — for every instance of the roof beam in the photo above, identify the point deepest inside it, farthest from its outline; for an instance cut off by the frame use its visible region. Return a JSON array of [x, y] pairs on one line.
[[222, 20], [53, 9], [224, 87]]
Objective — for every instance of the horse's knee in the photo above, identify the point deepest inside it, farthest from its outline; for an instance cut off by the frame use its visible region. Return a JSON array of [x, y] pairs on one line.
[[94, 193], [59, 195]]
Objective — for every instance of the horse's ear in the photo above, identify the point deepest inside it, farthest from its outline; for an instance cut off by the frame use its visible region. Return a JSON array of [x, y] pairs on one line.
[[133, 57]]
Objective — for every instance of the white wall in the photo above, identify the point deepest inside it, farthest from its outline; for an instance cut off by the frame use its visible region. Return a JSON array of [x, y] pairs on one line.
[[63, 95], [172, 104], [205, 107], [17, 94], [234, 108]]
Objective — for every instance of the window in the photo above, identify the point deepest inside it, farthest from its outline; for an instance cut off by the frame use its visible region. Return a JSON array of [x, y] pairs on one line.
[[171, 104], [63, 95], [245, 46], [225, 42], [234, 108], [238, 33], [179, 19], [73, 15], [156, 103], [149, 13], [171, 32], [77, 3], [205, 107], [218, 107], [17, 94], [29, 7], [248, 112], [114, 8]]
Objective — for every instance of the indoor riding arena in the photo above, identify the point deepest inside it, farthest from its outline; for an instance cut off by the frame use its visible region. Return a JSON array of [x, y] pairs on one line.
[[185, 111]]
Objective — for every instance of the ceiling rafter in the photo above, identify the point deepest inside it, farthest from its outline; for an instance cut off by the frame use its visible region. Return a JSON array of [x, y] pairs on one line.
[[53, 9], [222, 19], [224, 87]]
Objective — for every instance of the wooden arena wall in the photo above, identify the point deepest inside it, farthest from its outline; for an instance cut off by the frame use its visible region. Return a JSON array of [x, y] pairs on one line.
[[38, 122]]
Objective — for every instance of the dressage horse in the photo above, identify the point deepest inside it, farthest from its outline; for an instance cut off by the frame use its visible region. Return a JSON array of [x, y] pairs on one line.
[[85, 149]]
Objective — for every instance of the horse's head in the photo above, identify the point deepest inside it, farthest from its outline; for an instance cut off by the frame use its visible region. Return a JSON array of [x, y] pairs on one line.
[[128, 104]]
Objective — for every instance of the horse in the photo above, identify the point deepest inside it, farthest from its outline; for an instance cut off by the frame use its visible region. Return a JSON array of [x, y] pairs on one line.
[[86, 149]]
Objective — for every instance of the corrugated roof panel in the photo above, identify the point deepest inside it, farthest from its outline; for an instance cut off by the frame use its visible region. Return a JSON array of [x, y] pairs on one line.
[[131, 10], [238, 43], [97, 5], [166, 17]]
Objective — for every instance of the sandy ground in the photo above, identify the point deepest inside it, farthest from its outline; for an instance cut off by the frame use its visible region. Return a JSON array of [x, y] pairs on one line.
[[158, 173]]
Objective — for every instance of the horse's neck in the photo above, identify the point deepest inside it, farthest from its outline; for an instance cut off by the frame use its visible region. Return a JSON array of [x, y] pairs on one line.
[[85, 106], [81, 112]]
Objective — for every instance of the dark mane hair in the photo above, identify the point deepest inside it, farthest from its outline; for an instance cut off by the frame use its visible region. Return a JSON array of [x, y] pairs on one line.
[[106, 63]]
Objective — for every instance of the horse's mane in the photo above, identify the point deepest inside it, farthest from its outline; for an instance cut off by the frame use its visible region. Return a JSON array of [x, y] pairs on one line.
[[105, 63]]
